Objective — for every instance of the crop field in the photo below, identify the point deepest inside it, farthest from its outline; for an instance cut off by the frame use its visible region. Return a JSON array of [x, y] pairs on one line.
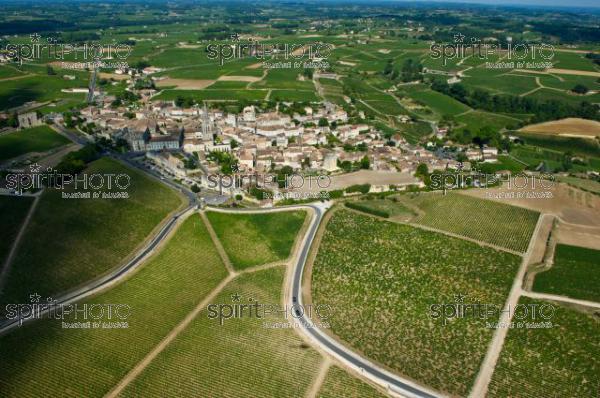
[[500, 82], [382, 278], [71, 241], [556, 362], [478, 119], [159, 295], [575, 273], [294, 95], [36, 139], [581, 183], [581, 127], [39, 88], [506, 226], [212, 95], [579, 146], [415, 131], [339, 383], [241, 358], [8, 72], [389, 207], [565, 60], [440, 103], [13, 211], [255, 239]]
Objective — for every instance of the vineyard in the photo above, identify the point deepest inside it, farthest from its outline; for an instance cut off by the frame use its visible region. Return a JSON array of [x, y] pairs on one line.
[[385, 207], [382, 277], [241, 358], [502, 225], [44, 357], [338, 383], [561, 361], [575, 273], [71, 241], [13, 211], [255, 239]]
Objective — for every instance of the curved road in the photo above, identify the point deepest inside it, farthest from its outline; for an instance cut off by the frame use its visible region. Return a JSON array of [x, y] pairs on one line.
[[391, 382]]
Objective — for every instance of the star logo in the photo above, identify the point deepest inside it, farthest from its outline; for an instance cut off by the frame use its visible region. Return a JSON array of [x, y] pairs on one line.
[[35, 168], [459, 38], [460, 166], [236, 297], [35, 37], [235, 167], [235, 37], [34, 298], [459, 297]]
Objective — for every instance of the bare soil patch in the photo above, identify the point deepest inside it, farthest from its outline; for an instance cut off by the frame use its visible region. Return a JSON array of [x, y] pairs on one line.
[[184, 84], [566, 127], [249, 79]]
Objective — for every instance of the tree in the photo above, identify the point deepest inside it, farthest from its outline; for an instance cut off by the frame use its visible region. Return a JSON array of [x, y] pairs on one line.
[[580, 89], [323, 122], [195, 188], [422, 170], [50, 70], [365, 163]]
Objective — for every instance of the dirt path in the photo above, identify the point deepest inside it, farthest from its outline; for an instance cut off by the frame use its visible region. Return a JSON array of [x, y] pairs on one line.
[[561, 299], [319, 379], [16, 77], [139, 368], [488, 365], [8, 262], [218, 245]]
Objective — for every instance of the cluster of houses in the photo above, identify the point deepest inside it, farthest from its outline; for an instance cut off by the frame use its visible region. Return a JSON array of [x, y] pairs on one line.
[[262, 141]]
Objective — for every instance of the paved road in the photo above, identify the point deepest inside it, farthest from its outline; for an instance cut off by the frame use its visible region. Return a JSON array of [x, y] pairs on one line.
[[109, 279], [388, 380], [391, 382]]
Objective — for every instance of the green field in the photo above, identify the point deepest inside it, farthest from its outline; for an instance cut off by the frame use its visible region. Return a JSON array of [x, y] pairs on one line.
[[294, 95], [38, 88], [36, 139], [381, 278], [561, 361], [506, 226], [255, 239], [13, 210], [159, 295], [476, 120], [71, 241], [439, 103], [212, 95], [575, 273], [385, 207], [241, 358], [339, 383]]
